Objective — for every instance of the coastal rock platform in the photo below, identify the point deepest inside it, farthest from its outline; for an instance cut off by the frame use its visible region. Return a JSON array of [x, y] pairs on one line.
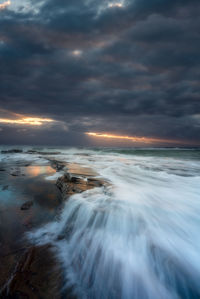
[[33, 271]]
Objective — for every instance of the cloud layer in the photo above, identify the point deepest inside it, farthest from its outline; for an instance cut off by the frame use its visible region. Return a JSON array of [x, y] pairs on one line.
[[128, 67]]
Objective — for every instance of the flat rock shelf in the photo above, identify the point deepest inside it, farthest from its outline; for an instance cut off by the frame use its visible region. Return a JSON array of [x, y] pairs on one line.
[[33, 271]]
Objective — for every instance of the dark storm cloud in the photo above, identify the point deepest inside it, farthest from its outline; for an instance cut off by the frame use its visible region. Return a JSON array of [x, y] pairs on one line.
[[129, 70]]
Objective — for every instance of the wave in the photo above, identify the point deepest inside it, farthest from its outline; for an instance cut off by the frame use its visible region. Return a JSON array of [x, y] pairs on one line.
[[138, 238]]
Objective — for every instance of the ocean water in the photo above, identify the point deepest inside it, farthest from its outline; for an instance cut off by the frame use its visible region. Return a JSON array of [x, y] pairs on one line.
[[138, 237]]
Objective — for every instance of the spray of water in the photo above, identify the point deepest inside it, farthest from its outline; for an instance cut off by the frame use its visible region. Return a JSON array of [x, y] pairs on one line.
[[138, 238]]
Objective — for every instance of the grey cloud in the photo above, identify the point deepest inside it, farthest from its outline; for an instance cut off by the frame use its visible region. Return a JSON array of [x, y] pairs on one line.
[[138, 71]]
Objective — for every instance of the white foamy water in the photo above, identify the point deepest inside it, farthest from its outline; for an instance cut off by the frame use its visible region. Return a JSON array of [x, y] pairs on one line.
[[138, 238]]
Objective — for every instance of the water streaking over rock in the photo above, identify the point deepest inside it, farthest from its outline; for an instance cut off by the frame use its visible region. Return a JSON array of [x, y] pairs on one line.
[[138, 236]]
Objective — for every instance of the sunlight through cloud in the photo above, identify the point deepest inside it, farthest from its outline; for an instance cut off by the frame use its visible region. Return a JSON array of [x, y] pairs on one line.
[[77, 53], [147, 140], [115, 4], [33, 121], [5, 5]]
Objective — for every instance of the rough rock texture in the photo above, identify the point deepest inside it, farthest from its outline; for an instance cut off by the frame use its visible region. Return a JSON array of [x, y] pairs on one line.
[[57, 165], [76, 169], [16, 172], [35, 276], [69, 185], [37, 273]]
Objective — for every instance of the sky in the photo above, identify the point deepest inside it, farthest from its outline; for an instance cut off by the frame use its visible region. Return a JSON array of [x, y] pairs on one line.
[[127, 71]]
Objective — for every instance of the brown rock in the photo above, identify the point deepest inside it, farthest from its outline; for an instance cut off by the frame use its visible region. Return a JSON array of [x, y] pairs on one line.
[[95, 182], [35, 276], [69, 185]]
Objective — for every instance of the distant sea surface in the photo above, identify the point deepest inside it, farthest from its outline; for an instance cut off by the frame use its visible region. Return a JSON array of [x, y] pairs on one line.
[[138, 237]]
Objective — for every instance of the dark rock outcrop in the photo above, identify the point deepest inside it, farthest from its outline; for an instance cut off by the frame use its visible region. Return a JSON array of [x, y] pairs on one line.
[[27, 164], [31, 152], [5, 187], [69, 185], [12, 151], [57, 165], [27, 205], [94, 182], [15, 173], [42, 153]]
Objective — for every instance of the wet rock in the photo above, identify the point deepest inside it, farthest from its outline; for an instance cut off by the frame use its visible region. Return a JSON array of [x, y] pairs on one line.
[[76, 190], [15, 173], [75, 180], [57, 165], [5, 187], [95, 182], [42, 153], [67, 176], [49, 153], [69, 185], [27, 205], [60, 237], [36, 276], [31, 152], [76, 169], [60, 183], [27, 164], [12, 151]]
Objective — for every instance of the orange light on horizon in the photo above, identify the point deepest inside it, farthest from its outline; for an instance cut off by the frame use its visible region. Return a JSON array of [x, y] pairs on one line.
[[147, 140], [5, 4], [33, 121]]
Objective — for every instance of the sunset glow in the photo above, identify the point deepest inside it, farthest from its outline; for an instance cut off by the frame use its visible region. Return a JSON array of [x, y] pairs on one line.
[[33, 121], [5, 4], [118, 4], [146, 140], [77, 52]]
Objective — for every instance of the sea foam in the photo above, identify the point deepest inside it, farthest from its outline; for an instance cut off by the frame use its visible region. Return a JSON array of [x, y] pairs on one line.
[[137, 238]]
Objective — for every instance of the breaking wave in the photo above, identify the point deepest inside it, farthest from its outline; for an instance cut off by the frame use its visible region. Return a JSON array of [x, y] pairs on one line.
[[137, 238]]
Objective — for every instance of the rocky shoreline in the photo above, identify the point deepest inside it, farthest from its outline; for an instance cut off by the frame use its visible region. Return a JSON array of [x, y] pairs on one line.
[[37, 274]]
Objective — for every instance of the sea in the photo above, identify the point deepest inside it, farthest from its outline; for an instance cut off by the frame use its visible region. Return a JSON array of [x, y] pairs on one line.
[[138, 236]]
